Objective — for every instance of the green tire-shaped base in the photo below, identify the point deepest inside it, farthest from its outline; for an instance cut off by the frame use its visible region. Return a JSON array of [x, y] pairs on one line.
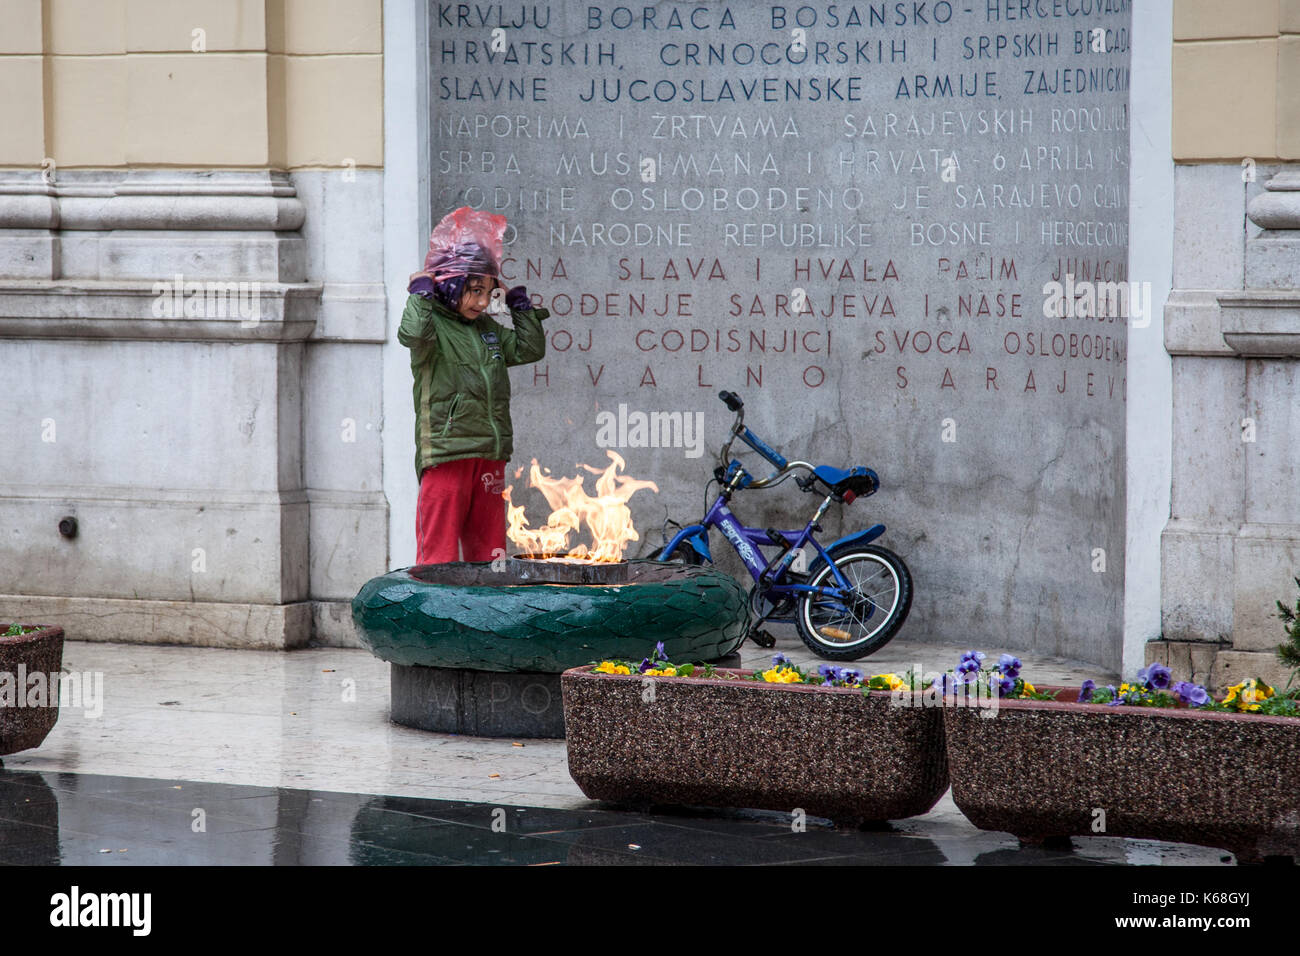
[[466, 615]]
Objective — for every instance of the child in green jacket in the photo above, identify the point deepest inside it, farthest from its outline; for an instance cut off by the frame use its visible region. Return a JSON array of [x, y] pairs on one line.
[[459, 357]]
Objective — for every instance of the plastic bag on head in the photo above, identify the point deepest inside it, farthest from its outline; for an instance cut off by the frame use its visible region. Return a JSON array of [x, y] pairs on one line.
[[466, 242]]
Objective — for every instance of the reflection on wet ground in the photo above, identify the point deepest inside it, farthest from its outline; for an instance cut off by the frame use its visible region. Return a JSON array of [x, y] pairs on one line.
[[93, 820]]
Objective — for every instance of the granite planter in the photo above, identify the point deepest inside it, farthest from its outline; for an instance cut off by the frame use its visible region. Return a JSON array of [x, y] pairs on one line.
[[25, 718], [1041, 770], [833, 752]]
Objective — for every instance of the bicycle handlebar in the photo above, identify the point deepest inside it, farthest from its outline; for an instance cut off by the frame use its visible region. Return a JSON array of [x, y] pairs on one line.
[[762, 447], [777, 477], [784, 467], [738, 430]]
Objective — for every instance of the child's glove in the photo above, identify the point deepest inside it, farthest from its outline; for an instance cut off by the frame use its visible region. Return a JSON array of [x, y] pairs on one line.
[[518, 300], [421, 285]]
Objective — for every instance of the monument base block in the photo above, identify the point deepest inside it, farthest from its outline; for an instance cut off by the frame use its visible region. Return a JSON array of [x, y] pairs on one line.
[[454, 700]]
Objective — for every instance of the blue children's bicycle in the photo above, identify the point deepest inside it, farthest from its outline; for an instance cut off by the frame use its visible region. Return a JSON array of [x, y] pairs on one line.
[[847, 600]]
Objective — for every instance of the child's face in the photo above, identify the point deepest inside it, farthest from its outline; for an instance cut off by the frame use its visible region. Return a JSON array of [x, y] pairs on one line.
[[475, 297]]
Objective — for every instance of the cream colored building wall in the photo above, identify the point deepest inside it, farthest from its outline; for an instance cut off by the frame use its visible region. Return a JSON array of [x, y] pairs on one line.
[[1236, 80], [213, 84], [231, 141]]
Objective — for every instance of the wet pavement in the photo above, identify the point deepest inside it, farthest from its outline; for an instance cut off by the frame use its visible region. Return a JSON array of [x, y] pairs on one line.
[[95, 820], [291, 759]]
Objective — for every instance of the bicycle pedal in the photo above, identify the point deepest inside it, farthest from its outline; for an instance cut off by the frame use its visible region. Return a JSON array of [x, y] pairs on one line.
[[833, 632], [762, 638]]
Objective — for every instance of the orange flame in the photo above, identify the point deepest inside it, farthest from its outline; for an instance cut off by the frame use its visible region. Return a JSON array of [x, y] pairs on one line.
[[606, 515]]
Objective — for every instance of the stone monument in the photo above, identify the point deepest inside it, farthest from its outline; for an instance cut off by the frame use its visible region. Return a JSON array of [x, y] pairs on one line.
[[898, 230]]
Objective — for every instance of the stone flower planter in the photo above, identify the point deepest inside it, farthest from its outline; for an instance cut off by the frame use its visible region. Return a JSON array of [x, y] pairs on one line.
[[23, 726], [832, 752], [1042, 769]]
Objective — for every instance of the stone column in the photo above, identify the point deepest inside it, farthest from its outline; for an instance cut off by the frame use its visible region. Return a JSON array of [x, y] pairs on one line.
[[1232, 545], [223, 463], [154, 324]]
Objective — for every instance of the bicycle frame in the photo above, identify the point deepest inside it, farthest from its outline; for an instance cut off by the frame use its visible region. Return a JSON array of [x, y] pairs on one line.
[[746, 542]]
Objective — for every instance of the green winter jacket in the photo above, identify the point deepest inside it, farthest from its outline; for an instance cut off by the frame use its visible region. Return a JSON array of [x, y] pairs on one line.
[[462, 388]]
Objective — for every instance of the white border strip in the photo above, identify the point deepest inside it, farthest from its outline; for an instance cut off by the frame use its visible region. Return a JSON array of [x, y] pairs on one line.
[[405, 214], [1150, 376]]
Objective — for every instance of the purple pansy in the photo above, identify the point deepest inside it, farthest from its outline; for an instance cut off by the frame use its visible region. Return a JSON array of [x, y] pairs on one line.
[[1085, 692], [1156, 677], [945, 684], [1194, 694], [780, 660], [830, 673], [1009, 666]]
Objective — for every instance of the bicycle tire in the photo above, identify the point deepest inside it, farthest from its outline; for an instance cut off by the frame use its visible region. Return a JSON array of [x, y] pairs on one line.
[[876, 635]]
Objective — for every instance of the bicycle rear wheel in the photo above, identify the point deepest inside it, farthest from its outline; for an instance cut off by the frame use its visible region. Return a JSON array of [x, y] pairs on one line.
[[853, 626]]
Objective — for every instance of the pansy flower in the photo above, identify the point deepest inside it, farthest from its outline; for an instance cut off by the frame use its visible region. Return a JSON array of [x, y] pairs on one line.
[[945, 684], [1192, 694], [1009, 666], [1155, 676]]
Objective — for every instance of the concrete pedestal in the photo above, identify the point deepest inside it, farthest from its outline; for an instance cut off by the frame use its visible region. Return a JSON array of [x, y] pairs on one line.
[[452, 700]]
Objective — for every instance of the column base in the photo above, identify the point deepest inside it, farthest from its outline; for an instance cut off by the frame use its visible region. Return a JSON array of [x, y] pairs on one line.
[[195, 624]]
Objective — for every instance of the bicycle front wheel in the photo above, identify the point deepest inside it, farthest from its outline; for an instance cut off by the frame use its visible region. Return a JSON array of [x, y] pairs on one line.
[[854, 625]]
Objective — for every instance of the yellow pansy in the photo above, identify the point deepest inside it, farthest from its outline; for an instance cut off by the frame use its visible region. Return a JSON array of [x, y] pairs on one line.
[[893, 680], [1029, 688], [609, 667], [784, 675], [1249, 694], [662, 672]]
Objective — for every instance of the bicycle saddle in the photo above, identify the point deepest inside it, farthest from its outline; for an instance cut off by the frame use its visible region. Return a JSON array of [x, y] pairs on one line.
[[859, 481]]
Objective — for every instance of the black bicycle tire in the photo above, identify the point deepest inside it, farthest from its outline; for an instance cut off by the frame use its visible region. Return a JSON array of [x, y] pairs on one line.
[[886, 635]]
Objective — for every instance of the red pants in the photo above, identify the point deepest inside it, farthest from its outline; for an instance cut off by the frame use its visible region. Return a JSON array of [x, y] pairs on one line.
[[460, 501]]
